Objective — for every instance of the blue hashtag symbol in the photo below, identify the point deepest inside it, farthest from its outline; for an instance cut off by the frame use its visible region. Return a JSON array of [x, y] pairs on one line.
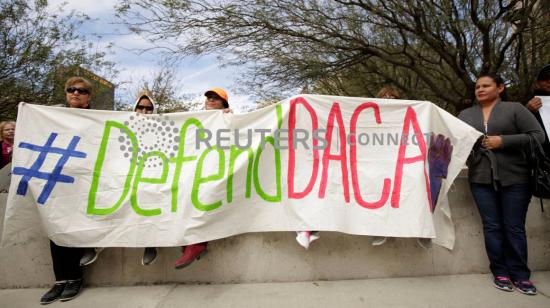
[[53, 177]]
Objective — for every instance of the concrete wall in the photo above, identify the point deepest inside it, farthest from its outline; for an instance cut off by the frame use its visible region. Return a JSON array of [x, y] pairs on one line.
[[276, 257]]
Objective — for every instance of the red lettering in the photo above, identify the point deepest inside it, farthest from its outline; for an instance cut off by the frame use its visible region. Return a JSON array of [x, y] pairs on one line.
[[291, 151], [342, 157], [410, 119], [353, 160]]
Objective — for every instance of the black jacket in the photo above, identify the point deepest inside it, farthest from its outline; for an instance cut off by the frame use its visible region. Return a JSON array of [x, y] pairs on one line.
[[546, 144]]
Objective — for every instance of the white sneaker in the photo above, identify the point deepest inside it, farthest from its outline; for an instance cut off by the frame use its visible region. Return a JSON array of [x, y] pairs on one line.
[[303, 238], [379, 240]]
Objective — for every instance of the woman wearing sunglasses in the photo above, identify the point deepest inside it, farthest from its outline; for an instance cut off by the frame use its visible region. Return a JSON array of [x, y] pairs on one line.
[[146, 105], [78, 93], [66, 260]]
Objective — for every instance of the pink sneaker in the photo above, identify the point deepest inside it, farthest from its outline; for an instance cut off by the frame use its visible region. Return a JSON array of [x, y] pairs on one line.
[[526, 287], [190, 254]]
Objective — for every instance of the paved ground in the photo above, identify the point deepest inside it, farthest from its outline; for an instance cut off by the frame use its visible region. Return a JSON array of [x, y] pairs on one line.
[[439, 291]]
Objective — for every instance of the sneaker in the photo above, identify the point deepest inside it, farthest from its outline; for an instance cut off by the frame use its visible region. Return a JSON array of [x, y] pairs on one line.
[[379, 240], [526, 287], [72, 289], [503, 283], [305, 238], [425, 243], [313, 236], [89, 256], [302, 237], [190, 254], [149, 256], [53, 294]]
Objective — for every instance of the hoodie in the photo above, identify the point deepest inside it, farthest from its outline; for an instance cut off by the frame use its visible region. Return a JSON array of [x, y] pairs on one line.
[[146, 94]]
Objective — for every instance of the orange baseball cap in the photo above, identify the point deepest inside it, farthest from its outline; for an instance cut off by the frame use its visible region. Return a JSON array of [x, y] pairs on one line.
[[221, 93]]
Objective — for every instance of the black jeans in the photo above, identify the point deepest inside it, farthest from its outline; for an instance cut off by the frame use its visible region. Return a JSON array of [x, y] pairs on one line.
[[66, 262], [503, 213]]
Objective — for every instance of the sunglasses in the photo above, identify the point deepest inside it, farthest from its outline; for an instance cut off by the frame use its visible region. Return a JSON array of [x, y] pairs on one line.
[[213, 96], [148, 108], [79, 90]]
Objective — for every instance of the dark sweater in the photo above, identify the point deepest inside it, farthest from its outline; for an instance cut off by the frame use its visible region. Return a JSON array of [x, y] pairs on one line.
[[514, 123]]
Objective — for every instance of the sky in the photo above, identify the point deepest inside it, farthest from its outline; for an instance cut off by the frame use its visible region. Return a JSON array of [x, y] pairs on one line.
[[194, 75]]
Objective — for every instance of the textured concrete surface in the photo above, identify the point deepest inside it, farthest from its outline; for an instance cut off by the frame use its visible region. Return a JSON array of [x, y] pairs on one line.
[[436, 291], [276, 257]]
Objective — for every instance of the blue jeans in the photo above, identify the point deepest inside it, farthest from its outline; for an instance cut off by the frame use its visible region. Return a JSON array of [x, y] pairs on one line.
[[503, 214]]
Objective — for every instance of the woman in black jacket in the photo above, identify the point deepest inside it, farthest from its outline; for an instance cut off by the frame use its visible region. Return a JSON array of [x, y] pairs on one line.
[[499, 180], [542, 88]]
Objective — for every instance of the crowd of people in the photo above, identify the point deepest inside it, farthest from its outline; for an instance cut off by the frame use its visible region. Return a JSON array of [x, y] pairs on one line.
[[498, 173]]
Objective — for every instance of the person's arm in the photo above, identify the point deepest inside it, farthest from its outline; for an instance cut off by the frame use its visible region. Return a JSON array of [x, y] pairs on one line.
[[463, 115], [527, 124]]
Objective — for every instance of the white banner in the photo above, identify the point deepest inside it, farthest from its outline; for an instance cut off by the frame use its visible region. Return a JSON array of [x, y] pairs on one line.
[[545, 111], [354, 165]]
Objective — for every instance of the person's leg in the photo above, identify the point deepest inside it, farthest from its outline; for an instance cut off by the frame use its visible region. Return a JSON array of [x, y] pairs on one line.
[[488, 204], [66, 262], [71, 270], [515, 202], [67, 271]]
